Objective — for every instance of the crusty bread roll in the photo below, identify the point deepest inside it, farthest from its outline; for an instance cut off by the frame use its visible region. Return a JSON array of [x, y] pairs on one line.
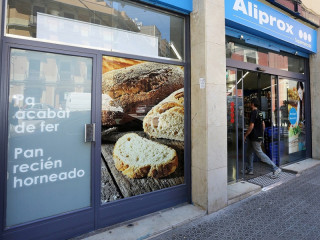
[[166, 120], [114, 63], [138, 157], [142, 84]]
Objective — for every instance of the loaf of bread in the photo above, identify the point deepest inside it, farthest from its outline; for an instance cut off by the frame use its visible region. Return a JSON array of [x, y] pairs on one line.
[[166, 119], [146, 83], [138, 157], [114, 63]]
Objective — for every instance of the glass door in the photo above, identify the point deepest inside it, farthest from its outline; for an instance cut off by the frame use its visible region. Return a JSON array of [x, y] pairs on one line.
[[231, 81], [49, 150], [292, 120], [234, 81], [242, 86]]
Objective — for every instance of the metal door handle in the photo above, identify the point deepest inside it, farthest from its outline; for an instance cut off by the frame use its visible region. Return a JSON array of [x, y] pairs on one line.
[[89, 132]]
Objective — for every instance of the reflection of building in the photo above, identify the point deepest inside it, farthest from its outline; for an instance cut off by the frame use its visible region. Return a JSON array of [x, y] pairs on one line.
[[164, 48], [151, 30], [47, 80], [22, 18]]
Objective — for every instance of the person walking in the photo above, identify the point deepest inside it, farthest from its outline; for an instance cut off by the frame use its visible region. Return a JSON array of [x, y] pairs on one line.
[[254, 138]]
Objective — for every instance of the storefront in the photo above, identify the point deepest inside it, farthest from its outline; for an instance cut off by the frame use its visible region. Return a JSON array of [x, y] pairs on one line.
[[95, 100], [97, 111], [267, 56]]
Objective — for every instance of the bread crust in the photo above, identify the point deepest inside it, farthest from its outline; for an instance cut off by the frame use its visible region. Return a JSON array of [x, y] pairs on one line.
[[166, 119], [158, 170], [142, 84], [113, 63]]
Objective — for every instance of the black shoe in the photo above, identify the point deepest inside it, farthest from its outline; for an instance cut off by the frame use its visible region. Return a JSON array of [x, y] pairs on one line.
[[247, 172]]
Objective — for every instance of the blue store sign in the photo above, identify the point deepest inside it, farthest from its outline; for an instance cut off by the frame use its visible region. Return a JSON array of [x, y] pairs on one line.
[[266, 20], [184, 6]]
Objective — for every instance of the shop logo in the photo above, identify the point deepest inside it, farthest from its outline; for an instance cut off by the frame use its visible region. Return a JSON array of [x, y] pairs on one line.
[[264, 18], [305, 36]]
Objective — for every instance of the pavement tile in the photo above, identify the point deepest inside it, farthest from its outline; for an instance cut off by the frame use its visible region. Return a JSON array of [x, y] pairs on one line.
[[289, 211]]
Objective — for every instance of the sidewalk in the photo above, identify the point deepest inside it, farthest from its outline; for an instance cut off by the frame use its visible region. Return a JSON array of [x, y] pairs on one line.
[[289, 211]]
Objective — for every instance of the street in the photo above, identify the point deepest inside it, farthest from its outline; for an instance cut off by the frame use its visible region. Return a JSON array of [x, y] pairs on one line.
[[289, 211]]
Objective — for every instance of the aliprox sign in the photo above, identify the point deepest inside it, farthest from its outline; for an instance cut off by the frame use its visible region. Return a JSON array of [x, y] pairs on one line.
[[264, 19]]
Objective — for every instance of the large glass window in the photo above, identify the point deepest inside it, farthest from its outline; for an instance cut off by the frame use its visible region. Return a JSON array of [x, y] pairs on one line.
[[111, 25], [48, 164], [240, 51], [142, 127]]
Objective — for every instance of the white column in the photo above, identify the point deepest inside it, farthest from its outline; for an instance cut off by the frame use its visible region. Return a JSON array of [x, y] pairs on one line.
[[208, 105]]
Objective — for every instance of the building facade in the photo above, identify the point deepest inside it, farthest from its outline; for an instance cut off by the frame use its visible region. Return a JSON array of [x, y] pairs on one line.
[[116, 109], [258, 65]]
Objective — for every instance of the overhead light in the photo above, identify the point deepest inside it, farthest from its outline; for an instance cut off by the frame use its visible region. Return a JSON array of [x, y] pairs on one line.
[[243, 77], [269, 87], [175, 51], [240, 80]]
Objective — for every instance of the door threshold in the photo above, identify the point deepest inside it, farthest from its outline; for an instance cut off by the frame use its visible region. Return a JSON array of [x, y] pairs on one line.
[[301, 166], [241, 190]]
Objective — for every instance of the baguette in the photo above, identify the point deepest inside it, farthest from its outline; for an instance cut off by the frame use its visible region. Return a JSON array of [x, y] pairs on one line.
[[138, 157]]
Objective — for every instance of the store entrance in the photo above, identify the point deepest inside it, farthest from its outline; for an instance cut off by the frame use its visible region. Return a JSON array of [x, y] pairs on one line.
[[242, 86]]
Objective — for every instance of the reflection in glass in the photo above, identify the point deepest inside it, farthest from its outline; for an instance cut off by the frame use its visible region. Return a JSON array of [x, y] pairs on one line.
[[48, 160], [241, 75], [240, 51], [292, 120], [111, 25], [231, 82], [142, 127], [276, 146]]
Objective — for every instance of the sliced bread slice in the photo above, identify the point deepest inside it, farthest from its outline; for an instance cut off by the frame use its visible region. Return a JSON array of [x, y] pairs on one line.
[[166, 119], [138, 157]]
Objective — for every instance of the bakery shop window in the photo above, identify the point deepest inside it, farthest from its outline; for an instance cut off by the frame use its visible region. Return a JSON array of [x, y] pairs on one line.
[[119, 26], [142, 127]]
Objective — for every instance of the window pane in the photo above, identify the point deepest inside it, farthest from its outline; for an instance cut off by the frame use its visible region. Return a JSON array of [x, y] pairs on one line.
[[278, 61], [142, 127], [48, 161], [111, 25], [292, 121], [240, 51]]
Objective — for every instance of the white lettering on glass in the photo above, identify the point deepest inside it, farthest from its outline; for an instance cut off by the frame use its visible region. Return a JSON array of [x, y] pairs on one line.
[[42, 179]]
